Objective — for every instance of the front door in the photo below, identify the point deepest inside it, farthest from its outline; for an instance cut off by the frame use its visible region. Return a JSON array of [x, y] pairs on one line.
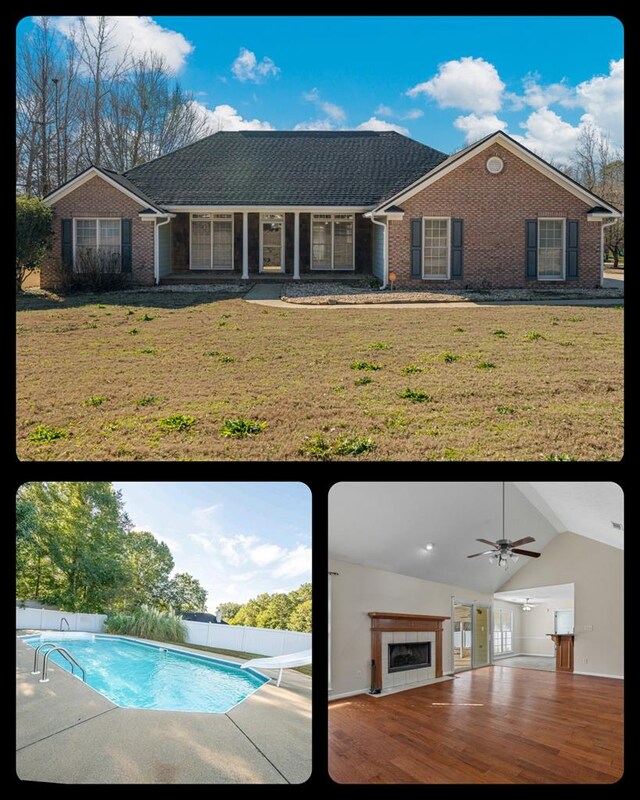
[[272, 243]]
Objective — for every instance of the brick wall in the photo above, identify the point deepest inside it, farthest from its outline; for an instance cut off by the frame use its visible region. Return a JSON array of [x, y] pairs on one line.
[[97, 198], [494, 209]]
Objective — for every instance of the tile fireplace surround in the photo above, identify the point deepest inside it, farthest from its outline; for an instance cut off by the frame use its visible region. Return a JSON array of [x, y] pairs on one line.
[[386, 628]]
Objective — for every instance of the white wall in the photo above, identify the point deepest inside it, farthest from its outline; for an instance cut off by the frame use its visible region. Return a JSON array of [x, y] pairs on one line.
[[536, 624], [597, 572], [263, 641], [358, 590]]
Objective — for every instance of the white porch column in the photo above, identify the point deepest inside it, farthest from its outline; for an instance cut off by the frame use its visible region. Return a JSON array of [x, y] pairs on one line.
[[296, 245], [245, 245]]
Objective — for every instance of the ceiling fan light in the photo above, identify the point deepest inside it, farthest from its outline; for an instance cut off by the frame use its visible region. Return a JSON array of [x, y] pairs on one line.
[[515, 559], [492, 559]]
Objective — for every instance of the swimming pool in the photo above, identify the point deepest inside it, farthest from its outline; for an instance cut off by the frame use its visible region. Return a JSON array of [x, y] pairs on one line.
[[135, 674]]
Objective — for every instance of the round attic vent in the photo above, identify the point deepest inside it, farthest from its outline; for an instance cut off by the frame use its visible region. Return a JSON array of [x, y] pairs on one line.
[[495, 165]]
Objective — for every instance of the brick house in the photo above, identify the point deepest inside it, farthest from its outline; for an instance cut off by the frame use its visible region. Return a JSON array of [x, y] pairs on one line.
[[307, 205]]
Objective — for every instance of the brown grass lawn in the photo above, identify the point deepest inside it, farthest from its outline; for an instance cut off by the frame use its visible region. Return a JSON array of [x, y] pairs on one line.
[[146, 357]]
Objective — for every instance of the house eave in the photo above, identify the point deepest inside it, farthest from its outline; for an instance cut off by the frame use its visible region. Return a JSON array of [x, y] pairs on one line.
[[275, 208]]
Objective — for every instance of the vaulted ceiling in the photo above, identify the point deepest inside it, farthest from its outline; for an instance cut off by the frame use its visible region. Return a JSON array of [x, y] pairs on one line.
[[387, 525]]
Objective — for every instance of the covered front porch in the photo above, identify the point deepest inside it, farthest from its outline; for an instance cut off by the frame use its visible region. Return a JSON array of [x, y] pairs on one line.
[[209, 245]]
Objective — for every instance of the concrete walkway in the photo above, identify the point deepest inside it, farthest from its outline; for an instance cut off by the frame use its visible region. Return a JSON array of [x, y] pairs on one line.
[[69, 733], [277, 303], [264, 291]]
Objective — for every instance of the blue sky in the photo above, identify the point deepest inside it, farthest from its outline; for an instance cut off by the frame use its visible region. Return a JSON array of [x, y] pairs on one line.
[[443, 80], [238, 539]]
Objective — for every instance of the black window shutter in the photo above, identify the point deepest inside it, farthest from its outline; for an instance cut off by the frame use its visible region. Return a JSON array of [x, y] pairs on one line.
[[572, 249], [67, 243], [126, 245], [456, 248], [531, 245], [416, 248]]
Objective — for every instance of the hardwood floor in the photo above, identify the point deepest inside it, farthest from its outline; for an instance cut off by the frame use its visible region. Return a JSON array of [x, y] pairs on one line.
[[527, 727]]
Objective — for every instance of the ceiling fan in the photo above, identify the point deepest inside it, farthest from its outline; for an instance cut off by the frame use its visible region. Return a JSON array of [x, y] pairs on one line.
[[504, 550]]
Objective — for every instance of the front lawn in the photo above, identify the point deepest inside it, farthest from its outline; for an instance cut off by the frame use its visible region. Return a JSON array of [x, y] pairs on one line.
[[196, 376]]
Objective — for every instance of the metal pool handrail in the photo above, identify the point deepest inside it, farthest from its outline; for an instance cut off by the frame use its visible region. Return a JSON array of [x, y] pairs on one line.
[[66, 655], [35, 670], [64, 619]]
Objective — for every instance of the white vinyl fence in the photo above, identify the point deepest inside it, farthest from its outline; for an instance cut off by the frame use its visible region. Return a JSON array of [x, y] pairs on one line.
[[263, 641], [43, 619]]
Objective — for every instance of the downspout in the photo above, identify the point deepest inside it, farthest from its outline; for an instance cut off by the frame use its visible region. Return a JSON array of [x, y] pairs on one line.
[[385, 264], [156, 251], [602, 227]]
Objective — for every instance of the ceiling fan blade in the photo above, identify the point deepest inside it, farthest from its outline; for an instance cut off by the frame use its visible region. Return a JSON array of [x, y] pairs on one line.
[[526, 540], [486, 541], [529, 553], [486, 553]]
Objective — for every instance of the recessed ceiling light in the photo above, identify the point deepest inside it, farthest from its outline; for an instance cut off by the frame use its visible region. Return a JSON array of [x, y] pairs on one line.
[[429, 546]]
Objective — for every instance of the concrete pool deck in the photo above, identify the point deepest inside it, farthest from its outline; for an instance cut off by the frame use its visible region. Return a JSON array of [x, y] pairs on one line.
[[68, 733]]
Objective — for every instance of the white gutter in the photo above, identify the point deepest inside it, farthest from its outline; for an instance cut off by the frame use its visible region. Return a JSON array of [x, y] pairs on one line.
[[156, 250], [385, 261], [604, 225]]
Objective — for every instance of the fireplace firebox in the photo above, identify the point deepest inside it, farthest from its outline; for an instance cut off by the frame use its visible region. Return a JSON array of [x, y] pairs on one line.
[[413, 655]]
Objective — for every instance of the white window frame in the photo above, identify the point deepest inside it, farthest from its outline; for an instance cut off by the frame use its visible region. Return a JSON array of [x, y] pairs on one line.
[[283, 240], [332, 219], [213, 215], [562, 277], [498, 633], [446, 277], [96, 220]]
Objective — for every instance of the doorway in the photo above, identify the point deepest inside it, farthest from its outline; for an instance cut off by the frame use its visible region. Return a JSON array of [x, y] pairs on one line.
[[471, 637], [272, 243]]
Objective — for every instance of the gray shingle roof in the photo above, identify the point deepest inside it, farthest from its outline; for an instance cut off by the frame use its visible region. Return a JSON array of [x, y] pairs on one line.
[[358, 168], [127, 184]]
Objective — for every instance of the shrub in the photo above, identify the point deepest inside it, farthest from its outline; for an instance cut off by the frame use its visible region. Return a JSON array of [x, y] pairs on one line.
[[94, 271], [34, 235], [177, 422], [46, 433], [366, 365], [240, 428], [414, 396], [148, 623]]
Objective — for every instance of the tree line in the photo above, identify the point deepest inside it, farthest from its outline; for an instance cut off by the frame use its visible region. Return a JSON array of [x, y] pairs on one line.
[[76, 549], [290, 611], [82, 99]]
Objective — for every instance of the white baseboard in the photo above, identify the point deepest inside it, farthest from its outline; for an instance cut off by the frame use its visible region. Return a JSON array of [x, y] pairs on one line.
[[599, 675], [341, 695]]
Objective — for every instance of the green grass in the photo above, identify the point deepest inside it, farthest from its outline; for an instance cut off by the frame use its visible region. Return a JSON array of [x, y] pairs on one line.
[[294, 373], [380, 346], [244, 656], [240, 428], [414, 395], [95, 400], [532, 336], [148, 623], [449, 358], [177, 422], [485, 365], [411, 369], [363, 381], [366, 365]]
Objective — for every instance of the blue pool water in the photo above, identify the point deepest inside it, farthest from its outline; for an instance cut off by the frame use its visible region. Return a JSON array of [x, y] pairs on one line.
[[138, 675]]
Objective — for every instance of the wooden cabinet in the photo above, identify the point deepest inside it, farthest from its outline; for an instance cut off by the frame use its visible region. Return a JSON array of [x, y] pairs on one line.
[[564, 651]]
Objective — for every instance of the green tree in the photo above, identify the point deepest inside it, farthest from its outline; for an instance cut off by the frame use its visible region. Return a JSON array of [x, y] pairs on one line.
[[228, 610], [186, 593], [249, 612], [34, 235], [149, 564], [300, 619], [72, 552], [277, 612]]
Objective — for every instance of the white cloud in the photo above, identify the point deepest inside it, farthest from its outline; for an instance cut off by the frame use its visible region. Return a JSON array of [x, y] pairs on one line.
[[265, 554], [384, 111], [226, 118], [295, 563], [315, 125], [469, 83], [375, 124], [246, 67], [551, 137], [138, 35], [603, 98], [333, 111], [475, 127], [413, 113]]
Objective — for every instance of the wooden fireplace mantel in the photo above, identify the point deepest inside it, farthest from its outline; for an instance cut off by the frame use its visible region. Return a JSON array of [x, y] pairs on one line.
[[389, 622]]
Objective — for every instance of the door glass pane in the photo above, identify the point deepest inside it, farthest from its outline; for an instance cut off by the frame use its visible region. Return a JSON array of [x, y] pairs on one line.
[[271, 243], [462, 636], [343, 244], [222, 244], [550, 248], [200, 244], [321, 244]]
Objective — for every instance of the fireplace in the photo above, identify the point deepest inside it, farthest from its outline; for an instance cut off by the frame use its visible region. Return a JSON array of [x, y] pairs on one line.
[[413, 655]]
